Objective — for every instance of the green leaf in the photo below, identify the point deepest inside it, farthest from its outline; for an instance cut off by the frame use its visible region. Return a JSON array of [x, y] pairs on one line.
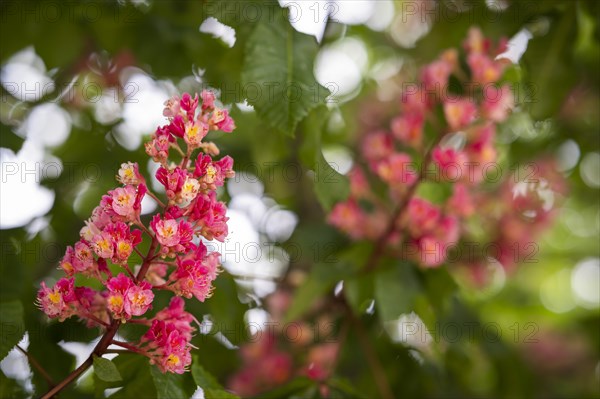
[[203, 378], [218, 394], [396, 290], [106, 370], [226, 308], [209, 384], [323, 277], [440, 288], [168, 385], [11, 319], [278, 73], [138, 382], [360, 292], [300, 387], [342, 388], [331, 187], [306, 295]]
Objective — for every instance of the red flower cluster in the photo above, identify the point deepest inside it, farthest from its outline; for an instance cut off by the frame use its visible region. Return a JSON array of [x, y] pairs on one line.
[[461, 152], [177, 261]]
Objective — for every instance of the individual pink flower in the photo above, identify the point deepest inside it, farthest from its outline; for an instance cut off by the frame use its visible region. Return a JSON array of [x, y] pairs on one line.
[[173, 212], [138, 299], [167, 231], [431, 251], [497, 103], [359, 186], [129, 174], [459, 113], [102, 215], [348, 217], [191, 279], [435, 75], [408, 129], [156, 273], [56, 301], [222, 121], [448, 230], [423, 216], [177, 126], [93, 225], [450, 162], [175, 362], [195, 131], [461, 202], [481, 152], [123, 200], [189, 104], [476, 43], [83, 259], [66, 263], [172, 107], [377, 145], [483, 69], [208, 100], [416, 100], [103, 245], [398, 170], [189, 189], [172, 180], [321, 359]]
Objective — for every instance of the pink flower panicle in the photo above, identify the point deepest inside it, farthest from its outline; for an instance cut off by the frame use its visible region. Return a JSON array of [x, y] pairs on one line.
[[180, 262], [464, 151]]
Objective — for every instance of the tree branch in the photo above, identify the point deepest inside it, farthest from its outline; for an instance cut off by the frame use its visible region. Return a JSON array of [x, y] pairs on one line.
[[377, 252], [383, 385]]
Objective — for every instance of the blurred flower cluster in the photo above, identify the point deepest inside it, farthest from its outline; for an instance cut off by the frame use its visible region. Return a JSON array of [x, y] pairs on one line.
[[444, 135], [275, 355]]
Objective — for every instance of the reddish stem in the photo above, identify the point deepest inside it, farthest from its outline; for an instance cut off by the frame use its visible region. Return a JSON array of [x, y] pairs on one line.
[[128, 346], [108, 336], [377, 252]]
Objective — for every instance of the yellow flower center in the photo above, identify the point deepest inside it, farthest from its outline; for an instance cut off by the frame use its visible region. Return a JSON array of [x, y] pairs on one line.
[[139, 299], [173, 360], [192, 131], [103, 244], [124, 247], [218, 116], [54, 297], [116, 301], [167, 231], [490, 74], [123, 199], [67, 267], [211, 172]]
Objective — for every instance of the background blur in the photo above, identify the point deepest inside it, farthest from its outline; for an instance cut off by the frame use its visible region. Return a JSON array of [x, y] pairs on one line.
[[84, 83]]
